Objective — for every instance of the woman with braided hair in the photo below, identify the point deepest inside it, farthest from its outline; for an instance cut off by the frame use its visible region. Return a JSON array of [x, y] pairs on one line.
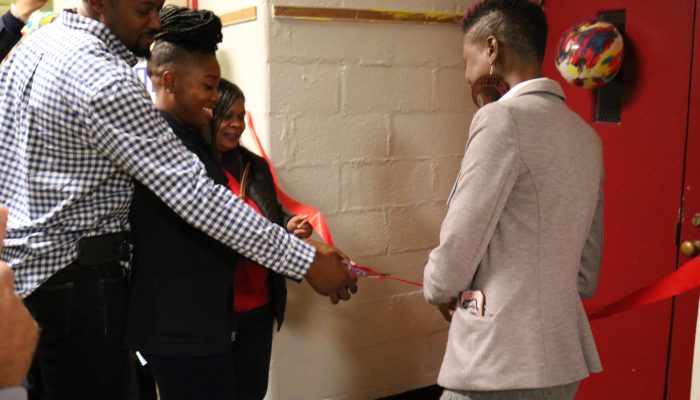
[[180, 315]]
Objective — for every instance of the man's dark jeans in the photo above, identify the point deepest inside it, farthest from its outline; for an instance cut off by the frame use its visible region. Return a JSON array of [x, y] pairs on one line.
[[81, 312]]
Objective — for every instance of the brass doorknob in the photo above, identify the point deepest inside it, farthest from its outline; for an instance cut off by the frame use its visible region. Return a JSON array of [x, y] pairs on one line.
[[690, 248]]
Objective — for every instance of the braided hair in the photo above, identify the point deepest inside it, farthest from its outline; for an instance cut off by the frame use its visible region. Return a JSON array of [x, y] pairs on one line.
[[185, 35]]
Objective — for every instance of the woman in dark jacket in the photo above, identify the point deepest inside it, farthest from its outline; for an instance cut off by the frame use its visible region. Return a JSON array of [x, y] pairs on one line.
[[179, 315], [259, 294]]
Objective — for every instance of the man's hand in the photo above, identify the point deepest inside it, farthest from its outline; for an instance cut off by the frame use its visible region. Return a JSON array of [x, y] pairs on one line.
[[329, 276], [18, 330], [24, 8], [448, 309]]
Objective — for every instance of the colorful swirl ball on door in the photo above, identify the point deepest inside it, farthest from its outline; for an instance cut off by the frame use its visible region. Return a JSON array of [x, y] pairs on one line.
[[589, 54]]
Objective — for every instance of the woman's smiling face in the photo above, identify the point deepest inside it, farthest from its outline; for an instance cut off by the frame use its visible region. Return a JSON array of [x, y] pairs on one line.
[[195, 91], [231, 128]]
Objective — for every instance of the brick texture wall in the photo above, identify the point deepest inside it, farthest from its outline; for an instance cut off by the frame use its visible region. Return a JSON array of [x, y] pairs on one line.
[[367, 122]]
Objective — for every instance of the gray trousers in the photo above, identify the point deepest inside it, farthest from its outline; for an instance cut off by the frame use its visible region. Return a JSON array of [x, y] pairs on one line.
[[562, 392]]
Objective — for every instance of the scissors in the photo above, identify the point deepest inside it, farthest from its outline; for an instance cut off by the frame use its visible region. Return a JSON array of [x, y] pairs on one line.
[[362, 272]]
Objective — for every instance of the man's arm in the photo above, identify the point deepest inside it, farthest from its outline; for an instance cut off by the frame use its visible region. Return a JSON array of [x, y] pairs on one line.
[[13, 21], [487, 175], [126, 128]]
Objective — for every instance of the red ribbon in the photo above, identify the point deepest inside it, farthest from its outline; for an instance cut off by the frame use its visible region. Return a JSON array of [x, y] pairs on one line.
[[678, 282], [314, 217]]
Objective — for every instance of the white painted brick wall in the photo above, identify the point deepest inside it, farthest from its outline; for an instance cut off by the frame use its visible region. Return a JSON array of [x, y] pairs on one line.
[[430, 134], [451, 92], [368, 123], [373, 47], [363, 233], [312, 184], [427, 45], [388, 88], [406, 182], [414, 228], [304, 88], [343, 137]]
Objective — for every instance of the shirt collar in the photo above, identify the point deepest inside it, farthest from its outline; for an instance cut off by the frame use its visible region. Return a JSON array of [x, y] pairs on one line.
[[534, 85], [77, 22]]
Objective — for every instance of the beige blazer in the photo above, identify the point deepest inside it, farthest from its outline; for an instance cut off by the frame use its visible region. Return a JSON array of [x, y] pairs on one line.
[[524, 226]]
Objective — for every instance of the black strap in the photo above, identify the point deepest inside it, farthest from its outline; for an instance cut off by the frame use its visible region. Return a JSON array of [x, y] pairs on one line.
[[96, 250]]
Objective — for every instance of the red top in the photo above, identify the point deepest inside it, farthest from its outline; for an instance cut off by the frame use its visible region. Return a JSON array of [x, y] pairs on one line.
[[250, 281]]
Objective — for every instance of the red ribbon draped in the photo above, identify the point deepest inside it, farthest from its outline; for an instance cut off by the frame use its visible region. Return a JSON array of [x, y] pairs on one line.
[[314, 216]]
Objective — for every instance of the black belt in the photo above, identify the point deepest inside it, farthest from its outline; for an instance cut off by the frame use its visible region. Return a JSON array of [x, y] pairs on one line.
[[109, 248]]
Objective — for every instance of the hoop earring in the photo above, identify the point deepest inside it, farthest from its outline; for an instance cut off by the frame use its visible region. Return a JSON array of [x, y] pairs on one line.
[[488, 88]]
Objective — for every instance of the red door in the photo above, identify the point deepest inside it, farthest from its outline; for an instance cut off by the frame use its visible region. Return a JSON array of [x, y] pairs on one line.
[[644, 167], [686, 306]]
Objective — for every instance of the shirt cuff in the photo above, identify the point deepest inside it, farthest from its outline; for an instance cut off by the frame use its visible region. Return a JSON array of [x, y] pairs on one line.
[[298, 259], [13, 393]]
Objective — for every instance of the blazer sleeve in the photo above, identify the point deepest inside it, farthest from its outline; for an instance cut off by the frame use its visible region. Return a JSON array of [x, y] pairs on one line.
[[592, 253], [487, 175], [10, 33]]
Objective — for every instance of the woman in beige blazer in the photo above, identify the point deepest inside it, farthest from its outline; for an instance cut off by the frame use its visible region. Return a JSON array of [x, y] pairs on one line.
[[521, 242]]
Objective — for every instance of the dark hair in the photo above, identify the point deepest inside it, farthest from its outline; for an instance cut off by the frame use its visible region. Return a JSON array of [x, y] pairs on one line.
[[520, 24], [185, 35], [230, 93]]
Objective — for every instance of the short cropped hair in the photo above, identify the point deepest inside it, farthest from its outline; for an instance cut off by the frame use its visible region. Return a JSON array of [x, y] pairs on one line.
[[519, 24]]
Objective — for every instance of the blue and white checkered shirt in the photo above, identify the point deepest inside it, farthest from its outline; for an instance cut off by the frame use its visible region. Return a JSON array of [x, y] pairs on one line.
[[76, 124]]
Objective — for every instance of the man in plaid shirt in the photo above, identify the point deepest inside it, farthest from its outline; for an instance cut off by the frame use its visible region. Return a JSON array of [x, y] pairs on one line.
[[76, 126]]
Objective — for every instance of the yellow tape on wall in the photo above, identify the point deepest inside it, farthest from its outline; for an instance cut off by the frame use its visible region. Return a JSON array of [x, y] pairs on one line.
[[348, 14]]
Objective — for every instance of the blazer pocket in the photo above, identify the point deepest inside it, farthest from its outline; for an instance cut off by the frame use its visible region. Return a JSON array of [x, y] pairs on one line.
[[467, 316]]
